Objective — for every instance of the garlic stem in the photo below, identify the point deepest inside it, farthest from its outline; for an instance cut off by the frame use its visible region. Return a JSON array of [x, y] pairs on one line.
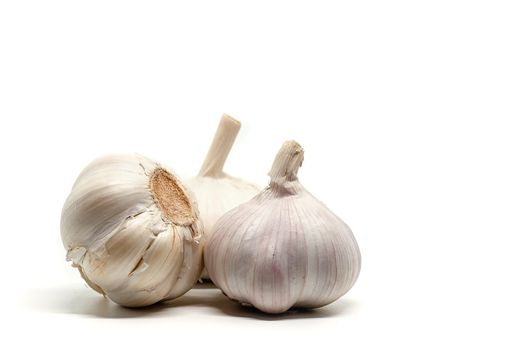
[[286, 164], [220, 147]]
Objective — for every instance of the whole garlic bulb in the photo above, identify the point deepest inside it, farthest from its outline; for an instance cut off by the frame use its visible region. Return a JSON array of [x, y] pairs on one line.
[[283, 248], [133, 231], [215, 191]]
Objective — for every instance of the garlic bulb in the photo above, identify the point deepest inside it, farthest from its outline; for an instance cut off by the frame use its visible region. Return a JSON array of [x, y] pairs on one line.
[[283, 248], [133, 231], [215, 191]]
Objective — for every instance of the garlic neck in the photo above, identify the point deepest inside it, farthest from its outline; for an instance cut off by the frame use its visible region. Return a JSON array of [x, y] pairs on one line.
[[286, 164], [220, 147]]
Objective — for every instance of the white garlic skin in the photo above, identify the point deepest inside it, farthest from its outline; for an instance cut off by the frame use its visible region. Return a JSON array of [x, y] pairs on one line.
[[218, 195], [124, 245], [282, 249]]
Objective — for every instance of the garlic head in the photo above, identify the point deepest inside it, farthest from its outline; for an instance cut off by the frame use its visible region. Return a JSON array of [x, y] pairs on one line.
[[215, 191], [133, 231], [283, 248]]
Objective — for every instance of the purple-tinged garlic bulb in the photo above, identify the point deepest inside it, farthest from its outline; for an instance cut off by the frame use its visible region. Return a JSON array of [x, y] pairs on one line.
[[283, 248]]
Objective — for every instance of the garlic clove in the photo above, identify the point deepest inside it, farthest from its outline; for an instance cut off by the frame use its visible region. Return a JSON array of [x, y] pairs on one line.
[[215, 191], [133, 230], [283, 248]]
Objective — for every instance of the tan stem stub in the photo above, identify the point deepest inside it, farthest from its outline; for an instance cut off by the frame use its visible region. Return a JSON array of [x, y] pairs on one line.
[[171, 198], [287, 162], [220, 147]]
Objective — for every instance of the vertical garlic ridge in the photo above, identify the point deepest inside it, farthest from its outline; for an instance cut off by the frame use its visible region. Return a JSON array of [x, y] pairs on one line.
[[346, 258], [146, 283], [328, 233], [238, 218], [311, 254], [266, 273], [326, 274], [193, 244], [301, 255], [350, 255], [231, 282], [355, 259], [283, 281], [243, 276]]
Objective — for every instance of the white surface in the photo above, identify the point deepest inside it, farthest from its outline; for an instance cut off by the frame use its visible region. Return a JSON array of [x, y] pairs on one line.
[[411, 115]]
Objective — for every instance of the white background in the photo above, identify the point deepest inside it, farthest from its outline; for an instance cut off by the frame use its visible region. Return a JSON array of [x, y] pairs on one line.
[[411, 115]]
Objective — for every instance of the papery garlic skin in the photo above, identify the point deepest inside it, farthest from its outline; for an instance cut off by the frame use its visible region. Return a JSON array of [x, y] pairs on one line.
[[217, 195], [215, 191], [283, 248], [133, 231]]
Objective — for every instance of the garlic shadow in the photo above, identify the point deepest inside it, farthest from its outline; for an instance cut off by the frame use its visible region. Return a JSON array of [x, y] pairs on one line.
[[333, 310], [221, 305], [83, 302], [205, 284]]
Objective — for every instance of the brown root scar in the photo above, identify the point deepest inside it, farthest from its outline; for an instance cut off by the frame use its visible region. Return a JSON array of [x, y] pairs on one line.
[[171, 198]]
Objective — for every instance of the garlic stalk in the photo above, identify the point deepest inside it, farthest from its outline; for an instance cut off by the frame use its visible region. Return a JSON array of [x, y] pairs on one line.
[[133, 231], [215, 191], [283, 248]]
